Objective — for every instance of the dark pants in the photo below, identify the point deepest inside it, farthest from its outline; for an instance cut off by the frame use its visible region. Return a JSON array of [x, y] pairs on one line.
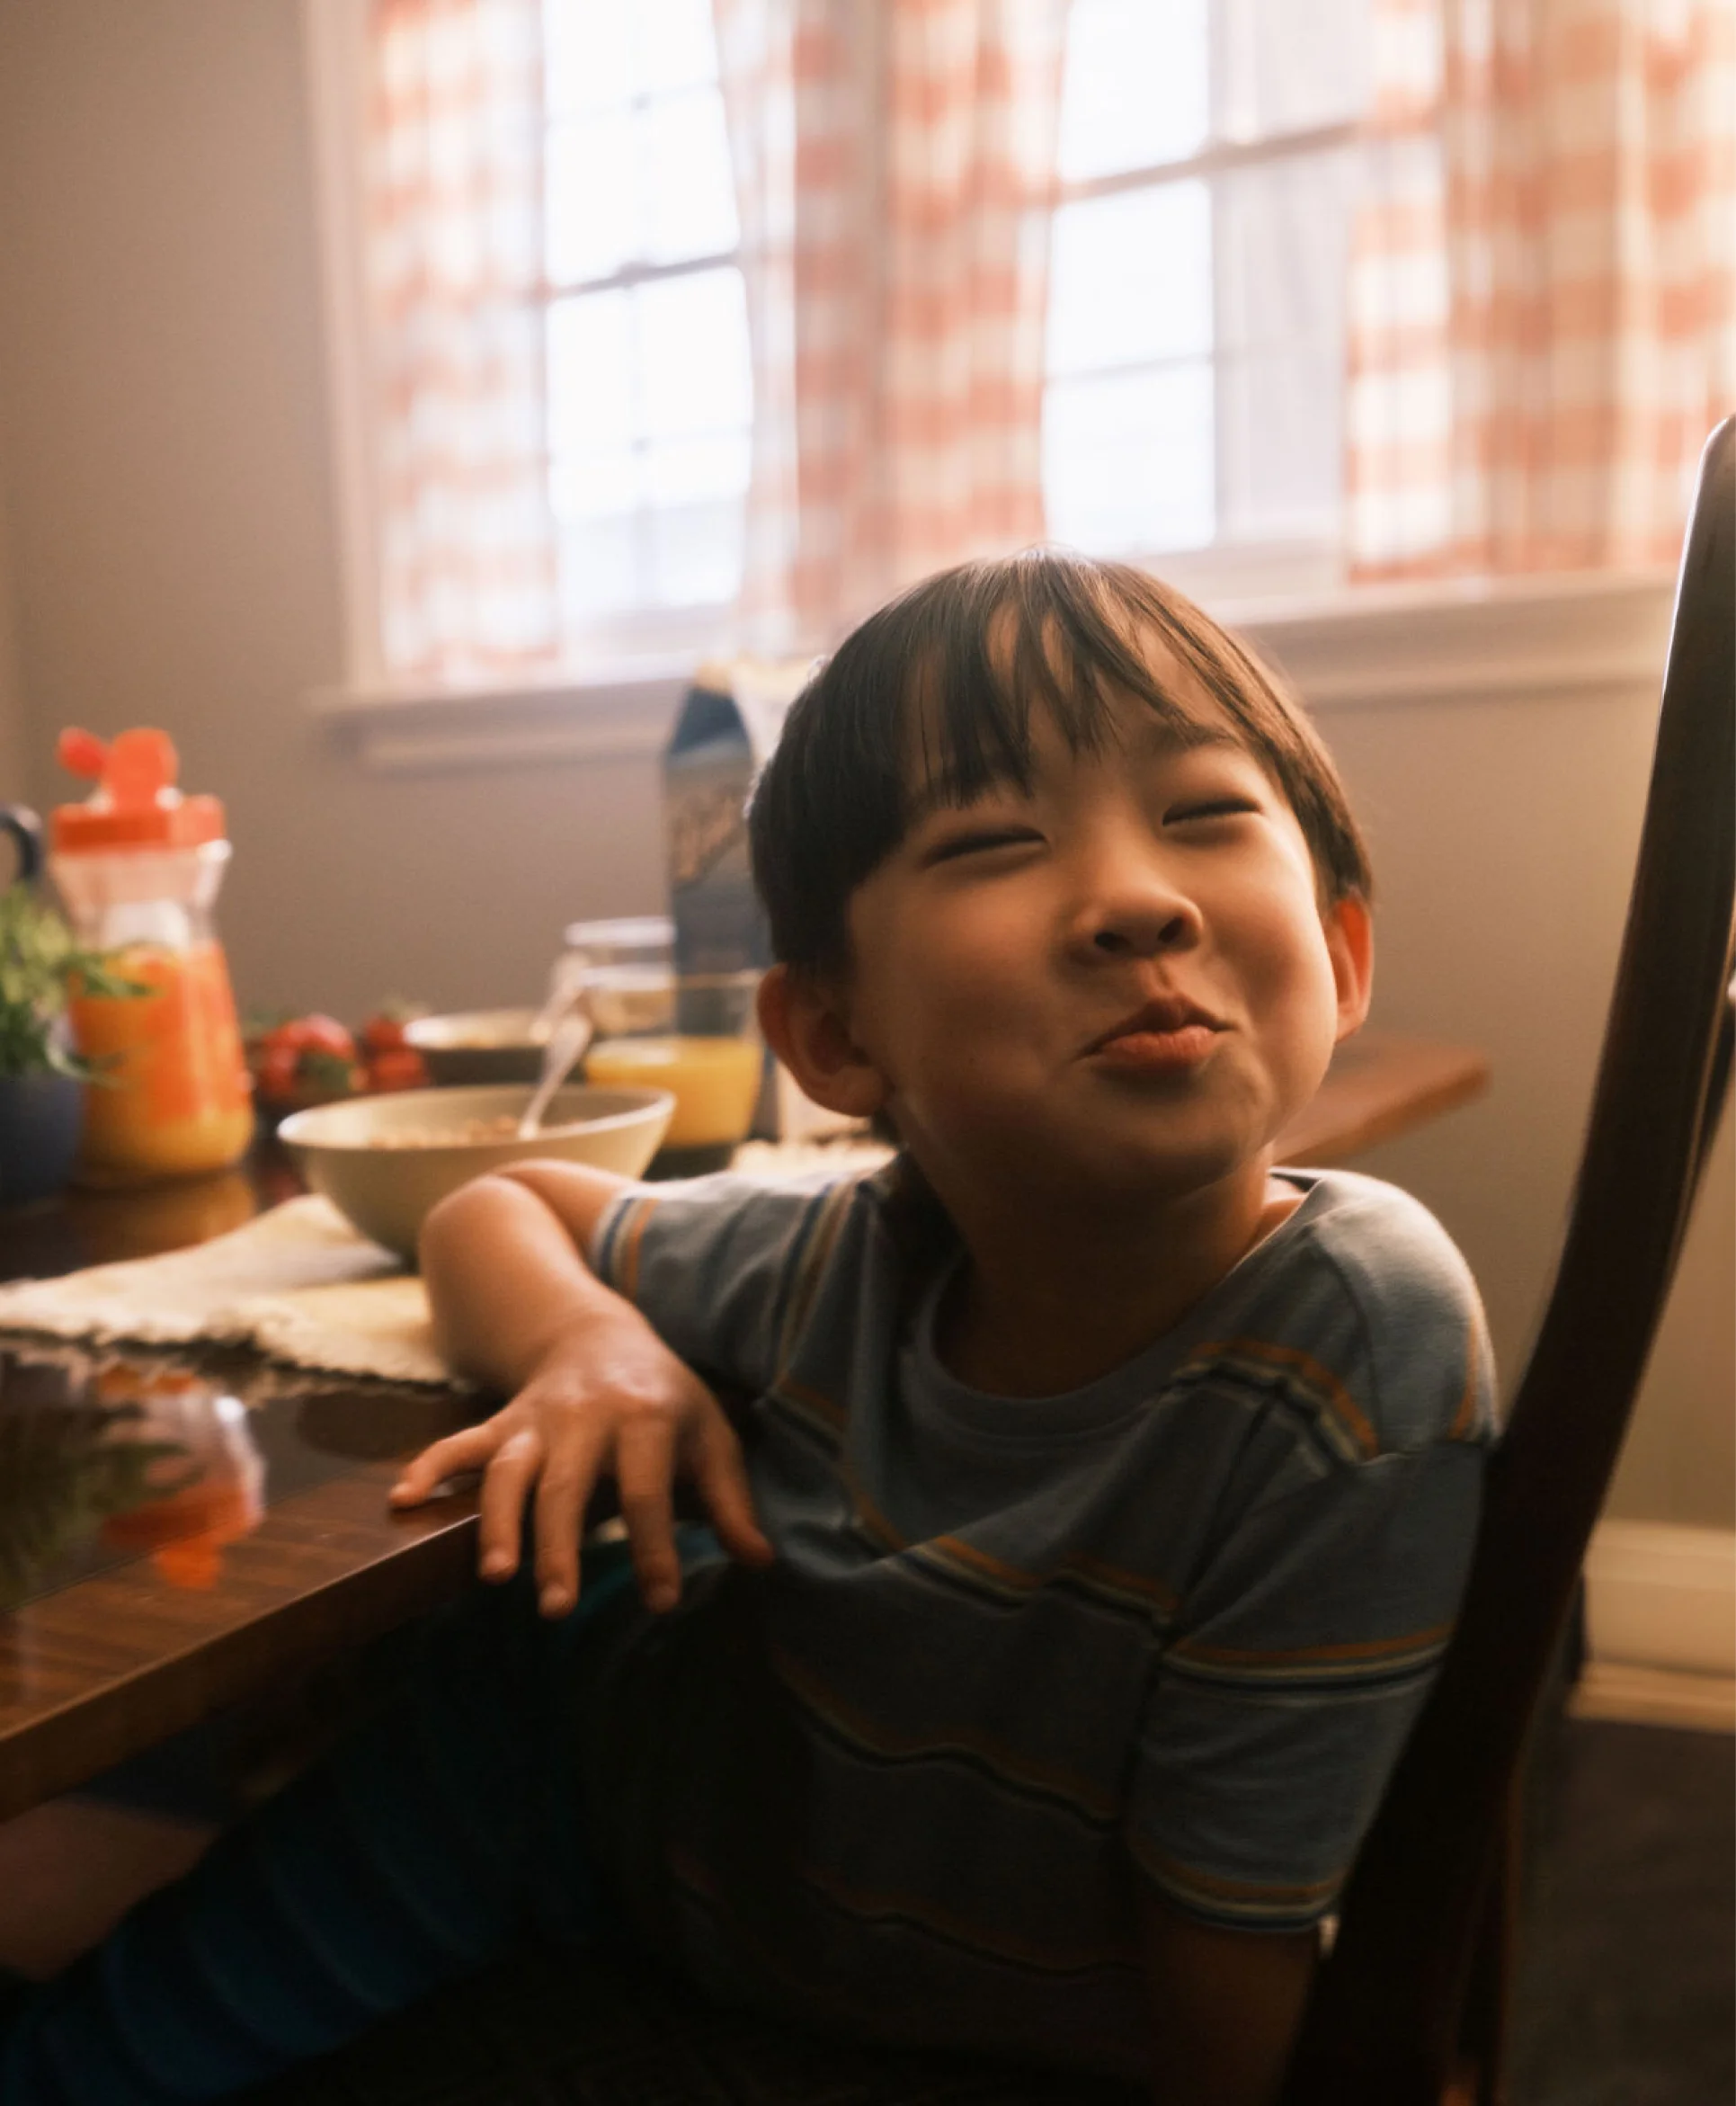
[[443, 1828]]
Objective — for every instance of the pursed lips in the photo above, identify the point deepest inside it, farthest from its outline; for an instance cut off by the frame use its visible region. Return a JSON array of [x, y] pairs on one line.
[[1169, 1018]]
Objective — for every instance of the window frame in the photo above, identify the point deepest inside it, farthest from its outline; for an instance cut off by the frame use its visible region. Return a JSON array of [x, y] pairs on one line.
[[1235, 569], [647, 628]]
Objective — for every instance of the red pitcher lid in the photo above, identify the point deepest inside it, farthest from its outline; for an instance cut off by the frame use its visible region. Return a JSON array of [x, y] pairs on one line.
[[134, 803]]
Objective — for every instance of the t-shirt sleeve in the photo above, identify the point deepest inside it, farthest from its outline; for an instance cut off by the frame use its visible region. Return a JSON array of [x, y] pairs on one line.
[[1308, 1637], [723, 1268]]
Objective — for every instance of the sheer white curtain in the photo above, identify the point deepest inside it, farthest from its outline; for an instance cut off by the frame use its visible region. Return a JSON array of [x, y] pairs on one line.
[[1543, 293], [895, 170], [452, 282]]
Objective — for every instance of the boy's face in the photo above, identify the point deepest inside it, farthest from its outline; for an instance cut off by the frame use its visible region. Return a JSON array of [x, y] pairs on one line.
[[1122, 981]]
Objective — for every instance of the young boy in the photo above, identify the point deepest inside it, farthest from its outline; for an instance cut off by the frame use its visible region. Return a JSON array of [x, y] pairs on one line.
[[1091, 1500]]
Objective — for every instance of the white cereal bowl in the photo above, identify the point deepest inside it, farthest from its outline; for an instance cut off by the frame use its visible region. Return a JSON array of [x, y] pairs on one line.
[[385, 1161]]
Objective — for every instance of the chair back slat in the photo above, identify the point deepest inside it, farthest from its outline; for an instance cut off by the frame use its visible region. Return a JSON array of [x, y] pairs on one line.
[[1382, 2026]]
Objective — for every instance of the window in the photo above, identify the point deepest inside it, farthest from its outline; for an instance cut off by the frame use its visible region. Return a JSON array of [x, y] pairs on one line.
[[1196, 402], [1207, 158], [650, 399]]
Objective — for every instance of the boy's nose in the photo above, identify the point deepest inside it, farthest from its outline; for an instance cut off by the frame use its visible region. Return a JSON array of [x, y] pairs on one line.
[[1138, 932], [1132, 909]]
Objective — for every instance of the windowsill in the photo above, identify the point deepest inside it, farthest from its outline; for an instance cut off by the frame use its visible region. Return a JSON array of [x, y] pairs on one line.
[[1364, 647], [617, 712], [1466, 638]]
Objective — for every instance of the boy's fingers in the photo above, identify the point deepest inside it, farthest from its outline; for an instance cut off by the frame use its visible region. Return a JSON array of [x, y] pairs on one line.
[[722, 1479], [466, 1450], [562, 1494], [644, 1469], [516, 1462]]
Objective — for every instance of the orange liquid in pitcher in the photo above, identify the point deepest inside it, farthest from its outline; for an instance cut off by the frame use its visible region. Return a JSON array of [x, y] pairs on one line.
[[174, 1097], [714, 1082]]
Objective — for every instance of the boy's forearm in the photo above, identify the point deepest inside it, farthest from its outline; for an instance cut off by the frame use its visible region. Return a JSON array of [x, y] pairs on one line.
[[1225, 2007], [505, 1281]]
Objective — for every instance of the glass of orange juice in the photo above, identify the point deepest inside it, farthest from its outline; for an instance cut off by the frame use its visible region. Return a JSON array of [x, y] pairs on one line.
[[696, 1035]]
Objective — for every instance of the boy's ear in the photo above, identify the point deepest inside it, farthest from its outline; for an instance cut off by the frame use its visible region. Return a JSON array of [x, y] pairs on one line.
[[805, 1025], [1351, 944]]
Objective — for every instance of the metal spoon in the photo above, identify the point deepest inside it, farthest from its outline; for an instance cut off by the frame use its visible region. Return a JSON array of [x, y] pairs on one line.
[[566, 1044]]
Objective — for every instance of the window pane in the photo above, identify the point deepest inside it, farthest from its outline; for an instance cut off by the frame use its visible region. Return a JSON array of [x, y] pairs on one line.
[[1137, 88], [588, 54], [1282, 249], [1283, 233], [594, 208], [692, 347], [1131, 279], [1128, 460], [696, 553], [1281, 450], [676, 45], [601, 571], [689, 187], [592, 392], [1289, 65], [593, 486], [685, 471]]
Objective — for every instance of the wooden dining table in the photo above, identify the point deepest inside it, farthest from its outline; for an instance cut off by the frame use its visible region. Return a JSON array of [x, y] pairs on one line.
[[121, 1624]]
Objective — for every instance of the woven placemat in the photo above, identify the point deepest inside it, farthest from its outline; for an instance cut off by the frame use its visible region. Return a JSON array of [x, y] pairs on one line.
[[298, 1283]]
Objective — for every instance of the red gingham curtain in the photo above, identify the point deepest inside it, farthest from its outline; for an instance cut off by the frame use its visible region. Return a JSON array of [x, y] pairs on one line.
[[895, 176], [452, 248], [1543, 293]]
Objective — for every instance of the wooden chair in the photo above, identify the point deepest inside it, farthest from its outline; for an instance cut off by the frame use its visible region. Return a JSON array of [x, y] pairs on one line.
[[1410, 2008]]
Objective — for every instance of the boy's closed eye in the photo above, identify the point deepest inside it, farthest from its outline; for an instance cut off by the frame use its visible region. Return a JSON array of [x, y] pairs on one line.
[[987, 837], [1216, 807], [979, 841]]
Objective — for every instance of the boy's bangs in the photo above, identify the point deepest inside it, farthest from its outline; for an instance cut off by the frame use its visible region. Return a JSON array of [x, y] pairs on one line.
[[1040, 636], [930, 701]]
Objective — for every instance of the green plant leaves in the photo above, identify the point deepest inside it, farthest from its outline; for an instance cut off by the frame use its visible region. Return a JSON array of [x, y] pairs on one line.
[[38, 960]]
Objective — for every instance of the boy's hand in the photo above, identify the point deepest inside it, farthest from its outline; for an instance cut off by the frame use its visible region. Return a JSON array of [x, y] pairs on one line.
[[607, 1395]]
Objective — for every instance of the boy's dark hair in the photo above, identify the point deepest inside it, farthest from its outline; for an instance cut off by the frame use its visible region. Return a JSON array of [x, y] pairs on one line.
[[981, 643]]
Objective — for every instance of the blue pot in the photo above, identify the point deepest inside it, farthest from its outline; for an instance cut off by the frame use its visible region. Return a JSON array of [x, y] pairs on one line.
[[41, 1117]]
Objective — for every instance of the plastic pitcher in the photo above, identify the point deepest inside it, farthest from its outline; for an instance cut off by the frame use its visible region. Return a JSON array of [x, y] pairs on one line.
[[137, 867]]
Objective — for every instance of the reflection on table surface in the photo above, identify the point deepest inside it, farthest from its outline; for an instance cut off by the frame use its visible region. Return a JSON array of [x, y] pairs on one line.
[[77, 1228], [110, 1454]]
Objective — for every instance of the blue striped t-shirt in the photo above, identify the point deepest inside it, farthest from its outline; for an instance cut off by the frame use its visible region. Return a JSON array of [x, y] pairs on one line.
[[1019, 1655]]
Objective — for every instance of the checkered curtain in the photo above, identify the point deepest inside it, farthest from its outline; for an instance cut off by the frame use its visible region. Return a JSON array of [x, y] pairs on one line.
[[1543, 295], [895, 173], [452, 248]]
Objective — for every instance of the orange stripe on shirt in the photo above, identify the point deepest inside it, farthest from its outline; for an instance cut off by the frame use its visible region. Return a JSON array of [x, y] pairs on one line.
[[1320, 1380], [626, 1267], [810, 1399], [1247, 1894], [1464, 1418], [1369, 1649], [879, 1739], [811, 1269], [891, 1906]]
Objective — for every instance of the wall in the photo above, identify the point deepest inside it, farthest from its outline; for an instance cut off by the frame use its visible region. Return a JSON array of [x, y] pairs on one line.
[[11, 698], [174, 560], [161, 356], [1503, 836]]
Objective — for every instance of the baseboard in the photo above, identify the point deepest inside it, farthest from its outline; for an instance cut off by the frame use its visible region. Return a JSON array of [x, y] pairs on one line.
[[1654, 1696], [1662, 1599]]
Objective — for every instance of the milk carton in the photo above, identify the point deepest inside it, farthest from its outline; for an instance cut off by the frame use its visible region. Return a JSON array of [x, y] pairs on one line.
[[725, 727]]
